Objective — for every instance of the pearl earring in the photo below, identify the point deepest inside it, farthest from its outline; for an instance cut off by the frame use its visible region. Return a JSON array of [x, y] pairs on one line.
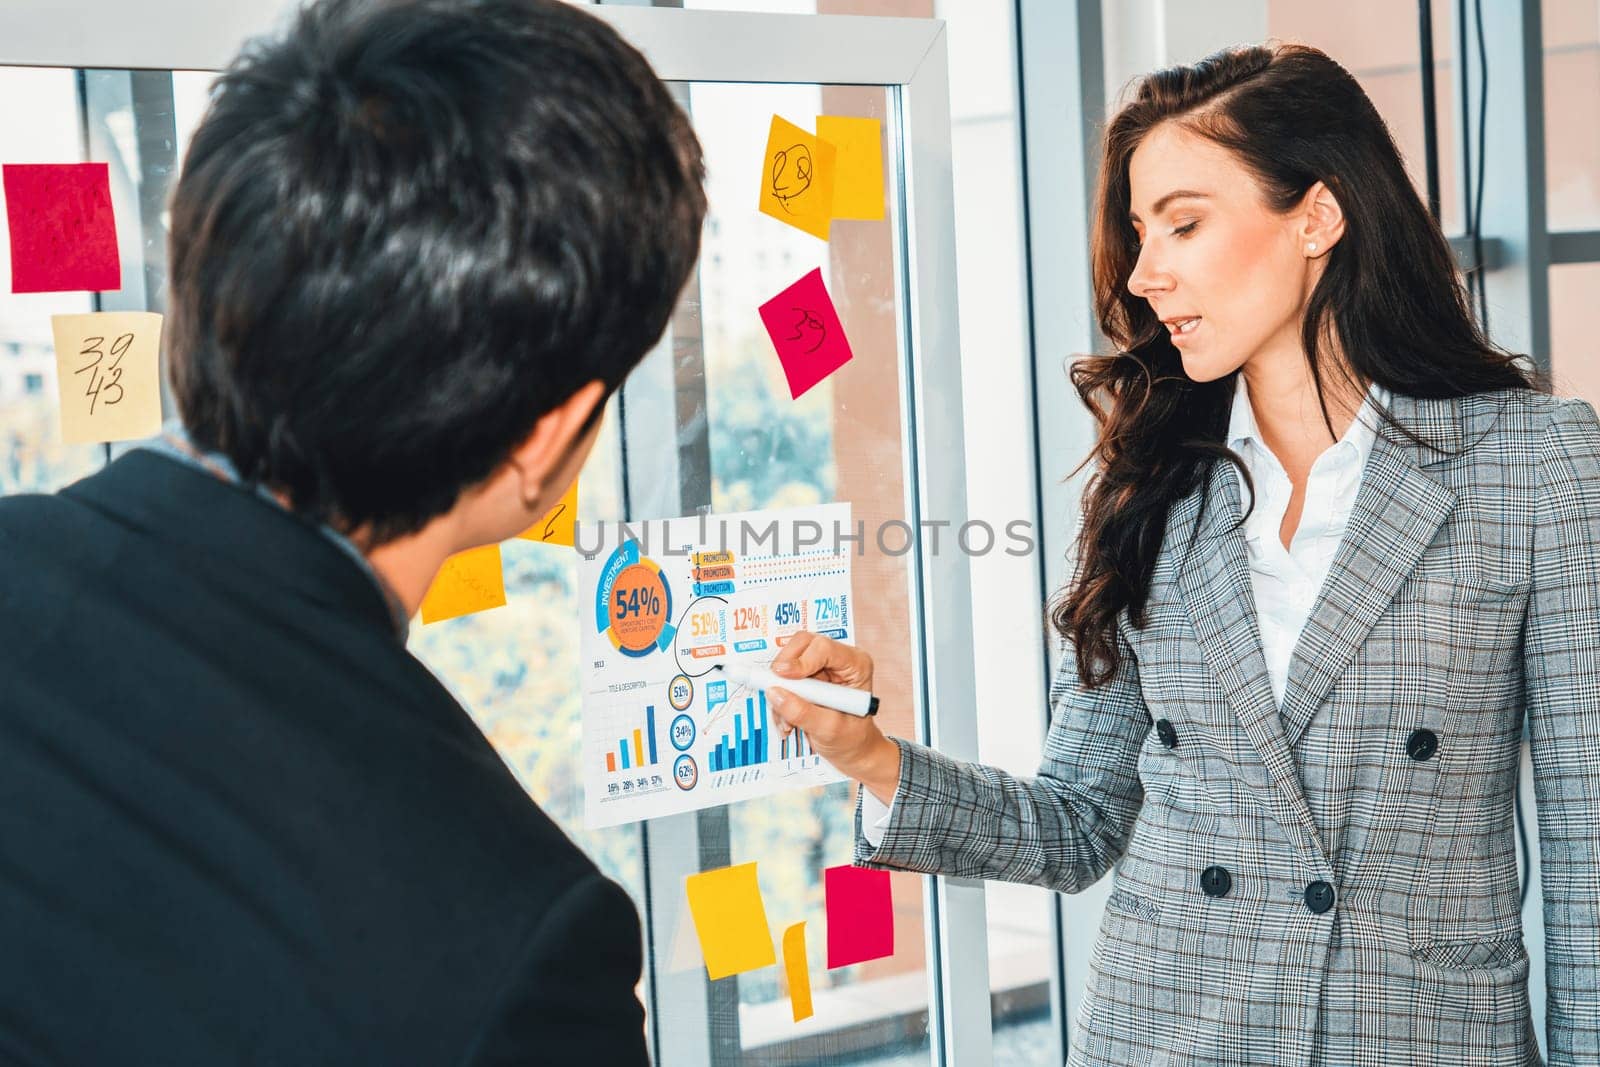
[[1311, 248]]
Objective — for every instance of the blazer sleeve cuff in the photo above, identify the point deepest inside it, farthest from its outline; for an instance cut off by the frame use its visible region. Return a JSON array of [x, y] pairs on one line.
[[920, 816]]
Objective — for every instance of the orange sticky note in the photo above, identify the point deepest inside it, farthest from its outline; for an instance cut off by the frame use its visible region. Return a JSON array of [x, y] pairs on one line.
[[731, 920], [797, 178], [857, 166], [469, 581], [108, 375], [559, 523], [794, 964]]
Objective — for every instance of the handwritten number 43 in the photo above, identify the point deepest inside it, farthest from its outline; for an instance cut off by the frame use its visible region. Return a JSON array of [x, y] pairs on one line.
[[102, 382]]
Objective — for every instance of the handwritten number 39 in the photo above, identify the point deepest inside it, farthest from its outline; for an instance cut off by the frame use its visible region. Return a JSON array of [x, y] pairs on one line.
[[101, 382]]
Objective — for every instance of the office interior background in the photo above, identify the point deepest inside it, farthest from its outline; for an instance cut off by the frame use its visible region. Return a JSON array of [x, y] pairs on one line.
[[980, 973]]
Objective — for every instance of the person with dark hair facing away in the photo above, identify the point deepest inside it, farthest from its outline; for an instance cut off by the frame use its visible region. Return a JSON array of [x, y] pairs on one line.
[[1291, 722], [415, 246]]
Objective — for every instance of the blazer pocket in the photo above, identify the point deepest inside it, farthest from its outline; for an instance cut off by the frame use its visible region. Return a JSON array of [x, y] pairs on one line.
[[1133, 905], [1493, 596], [1481, 583], [1472, 955], [1458, 579]]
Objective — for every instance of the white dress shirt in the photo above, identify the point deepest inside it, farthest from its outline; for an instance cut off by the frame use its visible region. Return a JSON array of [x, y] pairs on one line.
[[1285, 581]]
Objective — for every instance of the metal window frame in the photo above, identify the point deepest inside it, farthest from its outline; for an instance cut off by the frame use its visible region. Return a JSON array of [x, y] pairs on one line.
[[1517, 287], [908, 57], [1574, 246], [1061, 74]]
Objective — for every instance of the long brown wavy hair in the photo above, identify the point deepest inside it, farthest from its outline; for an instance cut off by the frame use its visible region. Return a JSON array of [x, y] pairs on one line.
[[1390, 299]]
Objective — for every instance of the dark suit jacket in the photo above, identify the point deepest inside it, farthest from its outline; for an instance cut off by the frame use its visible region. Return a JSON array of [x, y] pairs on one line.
[[239, 823]]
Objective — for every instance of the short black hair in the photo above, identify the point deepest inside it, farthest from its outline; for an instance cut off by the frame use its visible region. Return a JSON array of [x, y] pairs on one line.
[[405, 230]]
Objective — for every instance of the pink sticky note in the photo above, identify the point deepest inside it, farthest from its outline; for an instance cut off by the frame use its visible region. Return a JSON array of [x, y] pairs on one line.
[[860, 915], [63, 235], [807, 333]]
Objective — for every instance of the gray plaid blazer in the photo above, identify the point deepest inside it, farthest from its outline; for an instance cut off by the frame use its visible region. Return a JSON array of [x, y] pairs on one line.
[[1335, 881]]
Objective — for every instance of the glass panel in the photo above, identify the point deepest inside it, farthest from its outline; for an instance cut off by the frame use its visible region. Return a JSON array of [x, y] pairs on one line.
[[1377, 42], [1574, 360], [842, 440], [32, 457], [190, 91], [1571, 100], [1374, 39]]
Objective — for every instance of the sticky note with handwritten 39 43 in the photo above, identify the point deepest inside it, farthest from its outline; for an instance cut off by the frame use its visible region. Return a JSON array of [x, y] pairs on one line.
[[797, 178], [731, 920], [468, 582], [63, 232], [858, 165], [108, 374], [806, 331], [558, 526]]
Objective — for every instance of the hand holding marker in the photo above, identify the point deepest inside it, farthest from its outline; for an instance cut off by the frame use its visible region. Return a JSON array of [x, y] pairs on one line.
[[852, 744], [858, 702]]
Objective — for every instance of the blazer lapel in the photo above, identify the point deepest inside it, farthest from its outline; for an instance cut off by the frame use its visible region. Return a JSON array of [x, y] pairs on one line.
[[1214, 582], [1397, 512]]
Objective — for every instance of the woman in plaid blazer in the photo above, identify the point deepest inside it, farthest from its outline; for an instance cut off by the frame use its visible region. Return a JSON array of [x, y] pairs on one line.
[[1329, 879]]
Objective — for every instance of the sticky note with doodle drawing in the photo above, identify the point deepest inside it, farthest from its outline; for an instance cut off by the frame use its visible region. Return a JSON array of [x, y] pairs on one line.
[[797, 178]]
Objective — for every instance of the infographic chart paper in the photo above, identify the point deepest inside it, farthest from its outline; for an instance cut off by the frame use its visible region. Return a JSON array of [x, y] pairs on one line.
[[662, 603]]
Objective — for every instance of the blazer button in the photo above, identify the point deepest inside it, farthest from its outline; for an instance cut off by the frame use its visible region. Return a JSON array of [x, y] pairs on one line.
[[1319, 896], [1422, 744], [1166, 733], [1216, 881]]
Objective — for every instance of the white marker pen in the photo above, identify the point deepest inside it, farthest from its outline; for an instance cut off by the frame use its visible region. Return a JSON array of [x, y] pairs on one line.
[[823, 694]]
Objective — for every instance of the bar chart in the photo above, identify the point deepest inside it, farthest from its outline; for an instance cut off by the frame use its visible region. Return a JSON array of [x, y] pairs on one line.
[[642, 752], [746, 744], [794, 746]]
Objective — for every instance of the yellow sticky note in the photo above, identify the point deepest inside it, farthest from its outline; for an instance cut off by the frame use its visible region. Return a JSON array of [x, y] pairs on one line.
[[797, 178], [108, 372], [558, 524], [794, 964], [857, 166], [469, 581], [731, 920]]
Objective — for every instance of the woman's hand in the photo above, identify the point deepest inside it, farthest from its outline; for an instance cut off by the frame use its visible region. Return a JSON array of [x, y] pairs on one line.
[[853, 744]]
